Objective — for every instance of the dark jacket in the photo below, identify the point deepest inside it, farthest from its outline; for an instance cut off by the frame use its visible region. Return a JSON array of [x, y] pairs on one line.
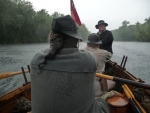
[[107, 39], [65, 85]]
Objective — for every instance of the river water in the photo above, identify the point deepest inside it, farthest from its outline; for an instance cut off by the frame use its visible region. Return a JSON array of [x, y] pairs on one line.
[[13, 57]]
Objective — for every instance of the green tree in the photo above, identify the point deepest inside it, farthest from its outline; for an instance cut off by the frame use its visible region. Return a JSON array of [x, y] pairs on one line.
[[56, 14], [84, 32], [147, 29], [121, 34], [20, 23], [137, 32], [125, 23]]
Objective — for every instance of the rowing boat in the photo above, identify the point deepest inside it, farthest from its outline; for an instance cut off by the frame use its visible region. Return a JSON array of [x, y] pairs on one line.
[[7, 100]]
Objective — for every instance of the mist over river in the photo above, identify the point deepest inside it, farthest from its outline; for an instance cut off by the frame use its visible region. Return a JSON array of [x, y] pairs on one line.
[[15, 56]]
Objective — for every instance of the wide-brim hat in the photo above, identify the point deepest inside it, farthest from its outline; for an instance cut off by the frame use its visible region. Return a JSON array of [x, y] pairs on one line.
[[93, 39], [101, 22], [66, 25]]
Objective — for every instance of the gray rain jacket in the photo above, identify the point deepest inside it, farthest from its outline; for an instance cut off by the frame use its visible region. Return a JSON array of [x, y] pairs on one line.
[[65, 85]]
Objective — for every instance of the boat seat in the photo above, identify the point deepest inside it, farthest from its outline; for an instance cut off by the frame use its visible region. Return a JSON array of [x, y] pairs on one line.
[[97, 86]]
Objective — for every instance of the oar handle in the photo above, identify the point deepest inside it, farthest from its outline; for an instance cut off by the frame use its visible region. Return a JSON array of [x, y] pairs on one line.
[[125, 81], [130, 82], [104, 76], [125, 87], [9, 74], [132, 103]]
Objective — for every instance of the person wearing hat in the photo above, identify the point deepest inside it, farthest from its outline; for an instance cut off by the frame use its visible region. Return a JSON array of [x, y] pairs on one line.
[[62, 76], [102, 56], [105, 36]]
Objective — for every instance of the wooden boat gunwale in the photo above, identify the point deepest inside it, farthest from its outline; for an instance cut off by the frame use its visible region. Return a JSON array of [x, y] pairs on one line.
[[6, 100]]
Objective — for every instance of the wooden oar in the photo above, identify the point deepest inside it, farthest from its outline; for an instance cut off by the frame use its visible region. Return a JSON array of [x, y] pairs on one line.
[[125, 81], [137, 103], [9, 74], [132, 103]]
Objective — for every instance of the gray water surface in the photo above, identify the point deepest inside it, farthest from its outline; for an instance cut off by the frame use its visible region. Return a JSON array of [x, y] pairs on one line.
[[13, 57]]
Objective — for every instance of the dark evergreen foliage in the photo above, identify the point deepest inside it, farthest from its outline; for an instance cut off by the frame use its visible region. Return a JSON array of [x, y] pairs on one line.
[[20, 23], [137, 32]]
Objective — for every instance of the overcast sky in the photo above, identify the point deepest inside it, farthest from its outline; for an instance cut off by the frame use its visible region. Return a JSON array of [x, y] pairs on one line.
[[113, 12]]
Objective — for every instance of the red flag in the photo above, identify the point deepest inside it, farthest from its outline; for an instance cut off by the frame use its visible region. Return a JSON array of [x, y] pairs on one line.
[[74, 13]]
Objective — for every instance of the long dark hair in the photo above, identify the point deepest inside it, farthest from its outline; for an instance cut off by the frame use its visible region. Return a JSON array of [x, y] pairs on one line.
[[56, 44]]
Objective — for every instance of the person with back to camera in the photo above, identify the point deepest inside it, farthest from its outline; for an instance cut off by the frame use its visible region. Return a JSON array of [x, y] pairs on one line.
[[62, 76], [102, 56]]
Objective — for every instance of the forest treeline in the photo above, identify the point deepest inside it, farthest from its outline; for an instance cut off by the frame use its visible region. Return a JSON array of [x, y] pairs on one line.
[[138, 32], [20, 23]]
